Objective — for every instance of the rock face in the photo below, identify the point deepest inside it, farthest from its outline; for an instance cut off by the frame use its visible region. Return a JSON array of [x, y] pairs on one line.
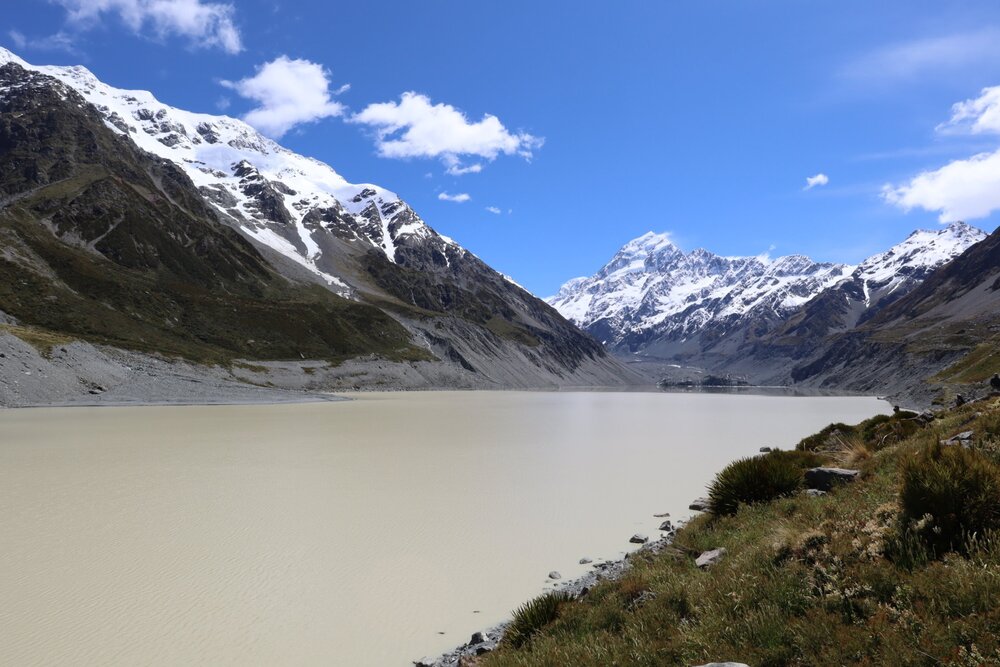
[[125, 190], [825, 479]]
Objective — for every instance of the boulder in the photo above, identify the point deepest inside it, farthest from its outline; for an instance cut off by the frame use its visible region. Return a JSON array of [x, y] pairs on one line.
[[425, 662], [699, 505], [638, 538], [479, 638], [666, 525], [815, 493], [765, 450], [825, 479], [964, 439], [554, 575], [585, 561], [709, 558]]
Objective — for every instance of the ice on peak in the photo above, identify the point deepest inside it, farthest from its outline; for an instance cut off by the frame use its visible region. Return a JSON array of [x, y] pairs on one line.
[[7, 56], [649, 242]]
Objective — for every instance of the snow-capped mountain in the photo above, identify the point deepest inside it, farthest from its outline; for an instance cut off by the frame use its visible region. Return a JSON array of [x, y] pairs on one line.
[[653, 296], [123, 209], [881, 280], [283, 200], [651, 289]]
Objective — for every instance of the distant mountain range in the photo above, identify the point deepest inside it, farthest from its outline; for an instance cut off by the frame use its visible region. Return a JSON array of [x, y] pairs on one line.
[[129, 222], [753, 316]]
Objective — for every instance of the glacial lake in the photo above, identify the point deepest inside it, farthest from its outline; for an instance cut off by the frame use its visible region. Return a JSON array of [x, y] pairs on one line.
[[347, 533]]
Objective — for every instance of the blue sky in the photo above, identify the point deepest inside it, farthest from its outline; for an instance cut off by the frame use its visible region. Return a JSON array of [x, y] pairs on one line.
[[702, 119]]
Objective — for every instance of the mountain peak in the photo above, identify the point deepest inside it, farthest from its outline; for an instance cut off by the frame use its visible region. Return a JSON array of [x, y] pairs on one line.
[[649, 243], [7, 56]]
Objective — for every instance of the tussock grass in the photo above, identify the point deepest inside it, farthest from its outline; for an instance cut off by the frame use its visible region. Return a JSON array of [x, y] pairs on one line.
[[841, 579], [752, 480]]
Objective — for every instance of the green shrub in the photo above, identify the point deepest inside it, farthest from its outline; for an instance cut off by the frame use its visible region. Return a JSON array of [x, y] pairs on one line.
[[534, 615], [800, 459], [950, 494], [754, 480]]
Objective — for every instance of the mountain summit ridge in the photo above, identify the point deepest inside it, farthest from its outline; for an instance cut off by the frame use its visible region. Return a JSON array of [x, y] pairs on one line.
[[653, 297]]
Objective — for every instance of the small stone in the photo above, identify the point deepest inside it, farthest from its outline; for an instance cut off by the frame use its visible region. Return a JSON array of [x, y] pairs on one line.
[[585, 561], [660, 516], [425, 662], [554, 575], [815, 493], [479, 638], [709, 558], [638, 538], [699, 505], [666, 525], [825, 479], [765, 450]]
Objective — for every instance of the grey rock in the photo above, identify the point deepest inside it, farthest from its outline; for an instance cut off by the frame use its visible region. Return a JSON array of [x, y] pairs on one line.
[[425, 662], [709, 558], [825, 479], [699, 505], [666, 525], [765, 450], [585, 561], [815, 493], [638, 538], [479, 638], [964, 439], [554, 575]]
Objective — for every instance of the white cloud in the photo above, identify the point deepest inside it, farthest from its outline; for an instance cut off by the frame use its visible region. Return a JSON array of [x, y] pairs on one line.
[[817, 180], [60, 41], [203, 23], [288, 93], [964, 189], [980, 115], [960, 190], [494, 210], [458, 199], [415, 127], [916, 58], [455, 169]]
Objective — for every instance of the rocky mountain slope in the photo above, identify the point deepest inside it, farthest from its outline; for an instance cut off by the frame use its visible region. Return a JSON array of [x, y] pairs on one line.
[[943, 336], [131, 223]]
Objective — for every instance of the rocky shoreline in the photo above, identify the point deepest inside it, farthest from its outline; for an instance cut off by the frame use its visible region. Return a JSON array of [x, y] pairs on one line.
[[487, 640]]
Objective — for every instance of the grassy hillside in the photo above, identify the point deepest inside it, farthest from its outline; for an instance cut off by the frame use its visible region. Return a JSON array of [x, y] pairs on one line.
[[859, 576]]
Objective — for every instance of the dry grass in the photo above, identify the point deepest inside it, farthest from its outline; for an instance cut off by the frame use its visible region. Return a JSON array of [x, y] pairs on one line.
[[806, 581], [42, 340]]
